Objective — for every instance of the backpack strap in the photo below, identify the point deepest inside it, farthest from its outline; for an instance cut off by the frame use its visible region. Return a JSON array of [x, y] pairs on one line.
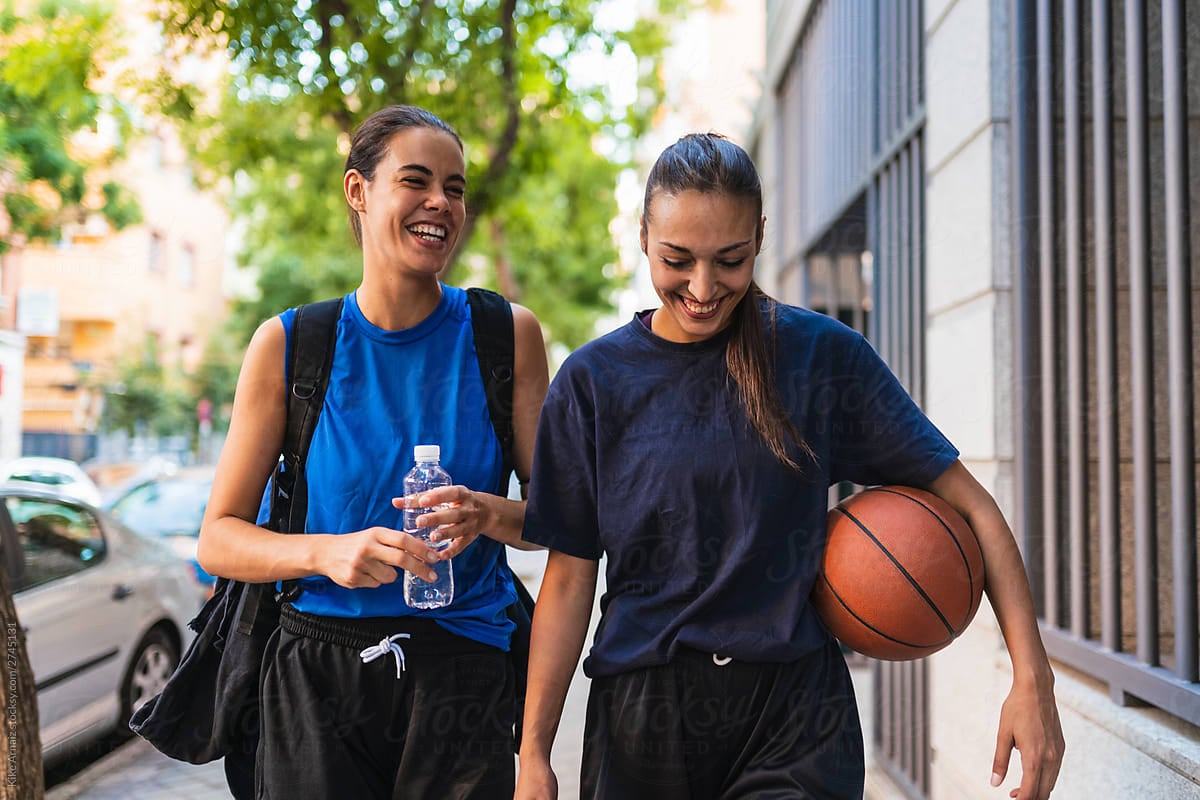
[[310, 356], [314, 332], [492, 324]]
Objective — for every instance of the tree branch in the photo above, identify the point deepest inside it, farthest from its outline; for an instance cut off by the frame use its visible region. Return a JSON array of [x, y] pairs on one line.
[[325, 11], [503, 148]]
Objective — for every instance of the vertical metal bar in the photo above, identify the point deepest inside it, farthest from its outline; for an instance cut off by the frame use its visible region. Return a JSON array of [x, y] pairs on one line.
[[819, 163], [905, 668], [1077, 455], [926, 755], [874, 223], [918, 54], [1027, 375], [883, 718], [895, 332], [887, 27], [1048, 301], [1179, 333], [869, 108], [885, 266], [803, 113], [1145, 547], [904, 264], [889, 713], [897, 69], [806, 292], [1108, 495], [859, 313], [918, 260], [835, 282], [843, 57], [903, 9], [874, 69], [856, 57]]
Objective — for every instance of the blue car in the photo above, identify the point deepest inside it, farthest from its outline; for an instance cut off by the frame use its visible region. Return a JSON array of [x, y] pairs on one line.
[[170, 507]]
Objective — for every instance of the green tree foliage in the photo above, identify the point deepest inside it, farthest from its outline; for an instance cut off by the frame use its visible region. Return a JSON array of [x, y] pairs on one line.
[[145, 399], [48, 62], [216, 376], [540, 195]]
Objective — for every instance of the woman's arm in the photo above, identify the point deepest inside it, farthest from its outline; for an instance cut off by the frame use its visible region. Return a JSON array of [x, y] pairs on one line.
[[232, 545], [560, 623], [1029, 719], [482, 513]]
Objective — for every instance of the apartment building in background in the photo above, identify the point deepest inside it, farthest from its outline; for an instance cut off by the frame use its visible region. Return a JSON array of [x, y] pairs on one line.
[[1003, 196], [100, 297]]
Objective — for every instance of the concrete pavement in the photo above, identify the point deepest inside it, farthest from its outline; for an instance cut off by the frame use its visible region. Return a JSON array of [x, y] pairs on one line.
[[136, 771]]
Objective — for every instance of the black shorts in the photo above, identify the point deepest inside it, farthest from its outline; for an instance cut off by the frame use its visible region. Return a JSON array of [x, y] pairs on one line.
[[700, 728], [438, 727]]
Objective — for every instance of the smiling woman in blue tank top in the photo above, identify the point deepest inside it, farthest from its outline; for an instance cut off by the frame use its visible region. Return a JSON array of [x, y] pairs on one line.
[[429, 715]]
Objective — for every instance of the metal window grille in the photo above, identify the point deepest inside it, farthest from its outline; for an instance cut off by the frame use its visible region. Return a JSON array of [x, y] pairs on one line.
[[1104, 118], [852, 196]]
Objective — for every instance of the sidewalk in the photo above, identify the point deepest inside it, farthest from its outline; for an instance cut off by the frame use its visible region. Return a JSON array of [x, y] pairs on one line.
[[136, 771]]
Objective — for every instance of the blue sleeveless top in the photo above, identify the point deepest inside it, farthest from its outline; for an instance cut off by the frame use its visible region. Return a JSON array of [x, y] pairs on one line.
[[389, 391]]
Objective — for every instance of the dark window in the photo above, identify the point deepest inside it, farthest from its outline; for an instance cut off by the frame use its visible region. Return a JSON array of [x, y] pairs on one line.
[[57, 539]]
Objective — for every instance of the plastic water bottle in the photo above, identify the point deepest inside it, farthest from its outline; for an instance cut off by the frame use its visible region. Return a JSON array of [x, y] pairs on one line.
[[425, 475]]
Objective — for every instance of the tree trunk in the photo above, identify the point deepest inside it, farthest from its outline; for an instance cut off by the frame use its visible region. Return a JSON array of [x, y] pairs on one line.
[[20, 747], [506, 279]]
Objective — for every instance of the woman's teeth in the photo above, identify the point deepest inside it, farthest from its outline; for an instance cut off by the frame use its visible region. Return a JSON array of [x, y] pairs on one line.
[[432, 232], [699, 308]]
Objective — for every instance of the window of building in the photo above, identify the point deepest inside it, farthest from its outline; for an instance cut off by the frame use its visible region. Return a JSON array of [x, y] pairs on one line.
[[157, 252], [187, 266]]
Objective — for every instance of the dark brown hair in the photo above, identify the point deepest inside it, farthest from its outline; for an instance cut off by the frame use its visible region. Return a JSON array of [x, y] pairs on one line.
[[708, 162], [370, 142]]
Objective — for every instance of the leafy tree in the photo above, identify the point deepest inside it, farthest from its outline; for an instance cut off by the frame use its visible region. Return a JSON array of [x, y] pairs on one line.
[[48, 64], [217, 373], [305, 73], [144, 398]]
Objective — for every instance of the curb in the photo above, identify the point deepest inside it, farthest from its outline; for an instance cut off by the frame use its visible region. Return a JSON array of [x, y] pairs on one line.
[[122, 756]]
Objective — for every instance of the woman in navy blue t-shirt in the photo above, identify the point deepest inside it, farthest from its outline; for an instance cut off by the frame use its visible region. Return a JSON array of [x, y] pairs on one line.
[[693, 448]]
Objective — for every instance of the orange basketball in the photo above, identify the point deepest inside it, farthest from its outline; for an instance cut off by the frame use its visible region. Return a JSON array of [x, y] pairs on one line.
[[902, 574]]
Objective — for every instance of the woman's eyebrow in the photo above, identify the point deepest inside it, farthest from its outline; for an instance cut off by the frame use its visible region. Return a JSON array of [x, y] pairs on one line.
[[727, 248], [426, 171]]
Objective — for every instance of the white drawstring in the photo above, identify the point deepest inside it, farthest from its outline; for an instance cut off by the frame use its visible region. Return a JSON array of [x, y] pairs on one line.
[[384, 647]]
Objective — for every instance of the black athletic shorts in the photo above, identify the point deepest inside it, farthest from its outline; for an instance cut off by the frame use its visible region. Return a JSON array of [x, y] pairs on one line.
[[704, 726], [431, 721]]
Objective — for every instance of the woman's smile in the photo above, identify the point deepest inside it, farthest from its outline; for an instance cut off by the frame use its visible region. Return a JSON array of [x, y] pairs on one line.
[[699, 310]]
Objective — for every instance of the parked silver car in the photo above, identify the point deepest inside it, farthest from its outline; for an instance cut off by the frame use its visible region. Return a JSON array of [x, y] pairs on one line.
[[170, 507], [104, 609]]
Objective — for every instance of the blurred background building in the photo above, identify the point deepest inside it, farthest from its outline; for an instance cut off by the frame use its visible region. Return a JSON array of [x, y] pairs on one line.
[[1000, 195], [99, 297], [712, 74]]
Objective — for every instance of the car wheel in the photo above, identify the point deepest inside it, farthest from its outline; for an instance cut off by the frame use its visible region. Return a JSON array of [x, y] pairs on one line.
[[154, 660]]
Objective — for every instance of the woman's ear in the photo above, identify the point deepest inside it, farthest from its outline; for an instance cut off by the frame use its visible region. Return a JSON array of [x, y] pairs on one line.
[[762, 227], [642, 232], [355, 187]]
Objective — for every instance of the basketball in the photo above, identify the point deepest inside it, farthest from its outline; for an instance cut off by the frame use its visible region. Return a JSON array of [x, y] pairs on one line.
[[902, 574]]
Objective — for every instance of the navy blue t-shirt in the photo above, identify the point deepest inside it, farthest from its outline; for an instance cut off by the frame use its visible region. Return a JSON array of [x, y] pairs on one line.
[[644, 453]]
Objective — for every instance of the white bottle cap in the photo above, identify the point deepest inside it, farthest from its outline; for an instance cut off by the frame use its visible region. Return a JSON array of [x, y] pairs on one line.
[[427, 452]]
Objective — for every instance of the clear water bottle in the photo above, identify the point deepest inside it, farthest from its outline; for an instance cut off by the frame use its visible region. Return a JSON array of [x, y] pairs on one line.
[[425, 475]]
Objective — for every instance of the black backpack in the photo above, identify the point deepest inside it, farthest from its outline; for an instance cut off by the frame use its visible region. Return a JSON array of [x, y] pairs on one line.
[[209, 707]]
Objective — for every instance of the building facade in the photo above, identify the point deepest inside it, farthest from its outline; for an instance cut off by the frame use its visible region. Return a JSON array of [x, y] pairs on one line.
[[99, 298], [102, 296], [998, 193]]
